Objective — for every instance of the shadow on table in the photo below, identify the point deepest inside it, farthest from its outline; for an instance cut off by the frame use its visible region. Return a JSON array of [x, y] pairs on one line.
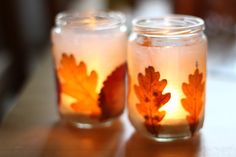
[[140, 146], [65, 140]]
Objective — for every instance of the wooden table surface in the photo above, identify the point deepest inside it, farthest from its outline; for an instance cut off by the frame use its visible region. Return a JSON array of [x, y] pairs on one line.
[[33, 127]]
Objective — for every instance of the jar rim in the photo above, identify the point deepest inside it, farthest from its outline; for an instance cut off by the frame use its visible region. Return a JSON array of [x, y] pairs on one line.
[[90, 20], [171, 25]]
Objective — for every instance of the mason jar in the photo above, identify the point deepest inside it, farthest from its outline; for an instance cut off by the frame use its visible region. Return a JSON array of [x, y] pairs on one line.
[[167, 76], [89, 52]]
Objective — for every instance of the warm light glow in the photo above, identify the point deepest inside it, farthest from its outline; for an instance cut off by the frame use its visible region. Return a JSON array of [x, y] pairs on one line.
[[173, 108]]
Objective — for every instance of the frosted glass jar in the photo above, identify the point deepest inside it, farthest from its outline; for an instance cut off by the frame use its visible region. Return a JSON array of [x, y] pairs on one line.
[[89, 50], [167, 76]]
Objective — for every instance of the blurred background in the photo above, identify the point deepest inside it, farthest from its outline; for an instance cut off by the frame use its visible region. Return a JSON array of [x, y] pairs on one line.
[[25, 34]]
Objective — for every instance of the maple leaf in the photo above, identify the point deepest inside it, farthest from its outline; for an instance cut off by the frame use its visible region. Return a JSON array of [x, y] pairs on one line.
[[112, 95], [149, 93], [193, 102], [76, 83]]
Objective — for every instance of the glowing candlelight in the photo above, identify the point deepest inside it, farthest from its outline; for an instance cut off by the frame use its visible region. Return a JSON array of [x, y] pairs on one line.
[[173, 107]]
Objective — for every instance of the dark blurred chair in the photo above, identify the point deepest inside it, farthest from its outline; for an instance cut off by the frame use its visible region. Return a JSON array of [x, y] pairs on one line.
[[24, 33]]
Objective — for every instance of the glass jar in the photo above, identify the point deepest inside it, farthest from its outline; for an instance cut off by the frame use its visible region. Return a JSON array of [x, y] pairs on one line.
[[167, 76], [90, 63]]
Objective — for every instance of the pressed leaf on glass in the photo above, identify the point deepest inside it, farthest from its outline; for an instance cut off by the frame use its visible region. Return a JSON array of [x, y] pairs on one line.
[[151, 99], [112, 95], [76, 83], [193, 103]]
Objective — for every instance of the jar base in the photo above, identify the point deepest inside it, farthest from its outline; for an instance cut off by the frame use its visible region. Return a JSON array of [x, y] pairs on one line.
[[85, 122], [170, 139], [91, 126]]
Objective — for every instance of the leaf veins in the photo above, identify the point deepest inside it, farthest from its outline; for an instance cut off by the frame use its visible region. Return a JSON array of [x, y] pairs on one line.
[[149, 93], [193, 102], [76, 83]]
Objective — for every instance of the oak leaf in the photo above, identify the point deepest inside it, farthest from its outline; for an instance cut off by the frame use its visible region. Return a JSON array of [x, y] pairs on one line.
[[75, 82], [112, 95], [149, 93], [193, 102]]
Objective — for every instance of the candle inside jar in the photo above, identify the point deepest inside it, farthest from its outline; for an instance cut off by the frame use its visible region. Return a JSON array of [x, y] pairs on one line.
[[90, 58], [177, 65]]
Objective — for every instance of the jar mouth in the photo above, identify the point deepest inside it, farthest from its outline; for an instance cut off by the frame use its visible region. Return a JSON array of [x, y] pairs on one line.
[[172, 25], [90, 20]]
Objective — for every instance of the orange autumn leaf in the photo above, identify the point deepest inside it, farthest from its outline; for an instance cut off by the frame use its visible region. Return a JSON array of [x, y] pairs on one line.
[[112, 95], [76, 83], [149, 93], [193, 102]]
